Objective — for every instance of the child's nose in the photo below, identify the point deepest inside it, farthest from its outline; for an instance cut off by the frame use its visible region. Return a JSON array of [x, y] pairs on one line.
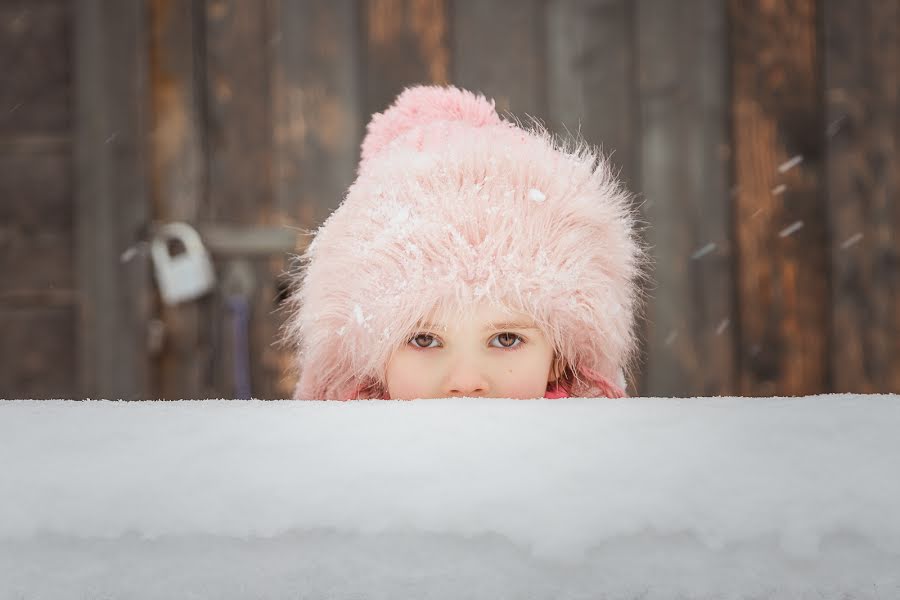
[[466, 379]]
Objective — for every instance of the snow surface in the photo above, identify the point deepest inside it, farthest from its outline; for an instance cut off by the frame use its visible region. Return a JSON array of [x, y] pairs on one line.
[[460, 498]]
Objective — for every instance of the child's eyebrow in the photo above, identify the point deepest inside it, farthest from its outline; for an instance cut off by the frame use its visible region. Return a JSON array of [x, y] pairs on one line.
[[511, 325]]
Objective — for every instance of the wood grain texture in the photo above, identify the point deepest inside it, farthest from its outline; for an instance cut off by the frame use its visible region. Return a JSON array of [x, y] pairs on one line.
[[239, 38], [862, 91], [783, 260], [592, 89], [36, 221], [406, 43], [35, 59], [318, 123], [591, 78], [498, 49], [110, 188], [36, 353], [683, 87], [178, 183]]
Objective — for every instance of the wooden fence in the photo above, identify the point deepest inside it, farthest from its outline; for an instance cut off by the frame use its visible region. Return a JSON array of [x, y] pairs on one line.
[[762, 138]]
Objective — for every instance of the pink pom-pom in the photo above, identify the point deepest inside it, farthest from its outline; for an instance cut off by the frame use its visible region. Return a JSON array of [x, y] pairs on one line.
[[424, 104]]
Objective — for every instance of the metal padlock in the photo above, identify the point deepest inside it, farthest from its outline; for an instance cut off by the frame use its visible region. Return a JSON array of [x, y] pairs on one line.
[[187, 275]]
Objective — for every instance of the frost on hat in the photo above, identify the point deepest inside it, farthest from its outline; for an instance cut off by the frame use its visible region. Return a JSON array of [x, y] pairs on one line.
[[452, 206]]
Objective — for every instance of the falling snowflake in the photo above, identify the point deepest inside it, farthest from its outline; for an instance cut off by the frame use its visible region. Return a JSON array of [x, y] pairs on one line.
[[793, 227], [835, 126], [852, 240], [703, 251], [790, 164], [671, 337], [723, 326]]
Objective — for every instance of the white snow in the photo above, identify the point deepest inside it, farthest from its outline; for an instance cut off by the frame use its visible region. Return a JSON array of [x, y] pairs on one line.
[[790, 163], [703, 251], [852, 240], [536, 195], [458, 498], [790, 229]]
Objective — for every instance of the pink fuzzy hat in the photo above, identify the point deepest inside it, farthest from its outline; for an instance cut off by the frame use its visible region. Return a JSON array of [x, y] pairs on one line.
[[452, 206]]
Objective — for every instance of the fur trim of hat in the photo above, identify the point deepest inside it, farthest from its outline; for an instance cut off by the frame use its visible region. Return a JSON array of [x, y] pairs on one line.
[[453, 205]]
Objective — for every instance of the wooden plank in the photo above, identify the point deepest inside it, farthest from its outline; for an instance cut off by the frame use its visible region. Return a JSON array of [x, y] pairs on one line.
[[239, 38], [35, 46], [592, 79], [406, 43], [592, 88], [684, 175], [36, 222], [862, 84], [36, 357], [782, 255], [499, 50], [111, 206], [318, 127], [181, 369]]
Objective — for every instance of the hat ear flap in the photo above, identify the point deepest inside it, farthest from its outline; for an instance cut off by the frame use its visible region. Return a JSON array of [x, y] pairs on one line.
[[604, 387]]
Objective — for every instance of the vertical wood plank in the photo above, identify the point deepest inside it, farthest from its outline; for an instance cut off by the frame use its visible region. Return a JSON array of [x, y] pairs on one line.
[[110, 82], [591, 82], [178, 181], [36, 356], [592, 90], [783, 258], [499, 50], [406, 43], [38, 343], [36, 220], [239, 116], [317, 123], [684, 174], [35, 43], [862, 58]]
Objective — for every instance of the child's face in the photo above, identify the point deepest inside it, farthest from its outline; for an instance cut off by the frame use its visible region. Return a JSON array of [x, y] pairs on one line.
[[494, 354]]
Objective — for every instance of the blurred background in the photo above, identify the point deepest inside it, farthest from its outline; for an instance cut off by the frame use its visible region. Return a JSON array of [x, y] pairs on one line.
[[762, 138]]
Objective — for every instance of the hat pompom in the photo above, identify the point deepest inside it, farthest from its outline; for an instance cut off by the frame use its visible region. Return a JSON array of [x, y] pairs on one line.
[[422, 105]]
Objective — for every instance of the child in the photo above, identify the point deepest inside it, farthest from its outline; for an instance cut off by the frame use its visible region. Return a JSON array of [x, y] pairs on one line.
[[472, 258]]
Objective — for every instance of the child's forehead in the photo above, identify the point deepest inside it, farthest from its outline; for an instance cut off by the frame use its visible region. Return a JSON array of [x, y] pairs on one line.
[[480, 315]]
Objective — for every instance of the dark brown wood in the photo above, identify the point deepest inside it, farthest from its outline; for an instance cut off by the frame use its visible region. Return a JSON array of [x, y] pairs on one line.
[[592, 85], [36, 221], [36, 355], [406, 43], [35, 59], [181, 367], [784, 281], [684, 174], [110, 92], [783, 258], [317, 122], [318, 127], [591, 78], [862, 91], [499, 50], [239, 37], [37, 300]]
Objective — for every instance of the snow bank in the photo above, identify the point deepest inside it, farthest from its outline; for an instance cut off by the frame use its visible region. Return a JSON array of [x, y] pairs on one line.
[[460, 498]]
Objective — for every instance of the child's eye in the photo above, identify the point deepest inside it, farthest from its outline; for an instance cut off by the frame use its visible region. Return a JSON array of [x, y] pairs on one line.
[[424, 340], [506, 340]]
